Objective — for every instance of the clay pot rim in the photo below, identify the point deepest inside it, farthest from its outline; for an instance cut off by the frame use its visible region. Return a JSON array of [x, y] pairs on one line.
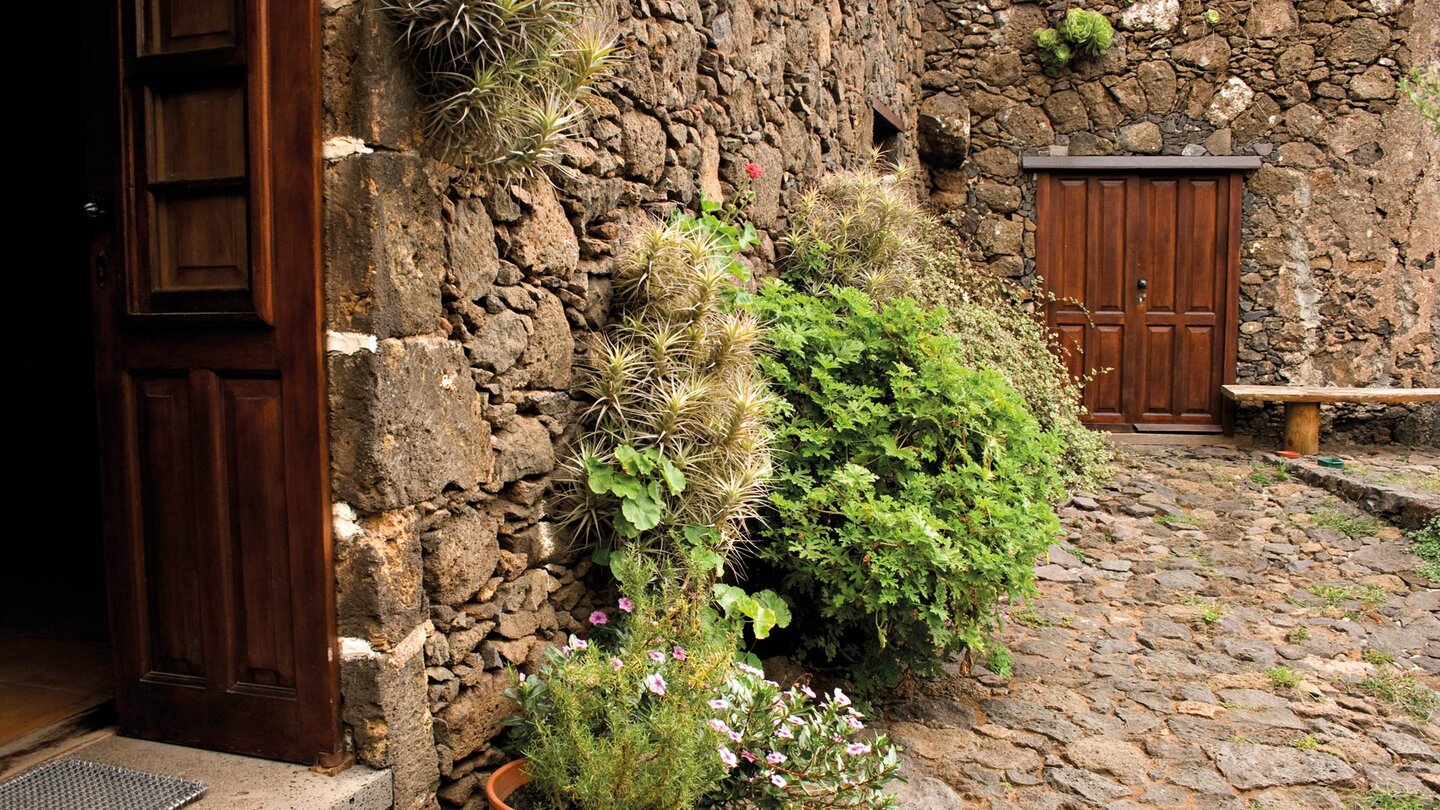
[[505, 773]]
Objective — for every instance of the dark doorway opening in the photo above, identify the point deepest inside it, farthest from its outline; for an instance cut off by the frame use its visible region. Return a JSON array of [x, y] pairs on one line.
[[885, 131]]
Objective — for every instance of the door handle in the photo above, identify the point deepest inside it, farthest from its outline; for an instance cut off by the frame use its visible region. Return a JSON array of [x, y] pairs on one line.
[[1141, 284]]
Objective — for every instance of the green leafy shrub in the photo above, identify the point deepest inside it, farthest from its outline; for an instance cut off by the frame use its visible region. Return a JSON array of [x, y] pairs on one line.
[[505, 78], [678, 430], [913, 491], [1080, 33], [865, 229], [1425, 543], [618, 722]]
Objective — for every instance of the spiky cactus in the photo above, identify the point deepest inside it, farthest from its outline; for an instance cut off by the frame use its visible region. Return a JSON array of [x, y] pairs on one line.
[[505, 78], [674, 389]]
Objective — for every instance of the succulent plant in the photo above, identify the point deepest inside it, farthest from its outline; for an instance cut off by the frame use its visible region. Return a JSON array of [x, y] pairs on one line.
[[505, 78], [1080, 32], [673, 382]]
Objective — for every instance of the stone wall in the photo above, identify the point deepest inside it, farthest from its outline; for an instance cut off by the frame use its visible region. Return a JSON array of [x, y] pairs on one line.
[[1339, 281], [458, 310]]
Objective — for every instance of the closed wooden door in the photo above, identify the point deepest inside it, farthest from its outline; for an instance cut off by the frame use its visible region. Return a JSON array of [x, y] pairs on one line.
[[1143, 269], [203, 214]]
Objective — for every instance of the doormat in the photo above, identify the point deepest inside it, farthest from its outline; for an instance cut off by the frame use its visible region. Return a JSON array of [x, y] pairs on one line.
[[79, 784]]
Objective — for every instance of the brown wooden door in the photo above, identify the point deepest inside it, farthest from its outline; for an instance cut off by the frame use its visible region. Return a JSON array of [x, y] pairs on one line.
[[203, 165], [1144, 270]]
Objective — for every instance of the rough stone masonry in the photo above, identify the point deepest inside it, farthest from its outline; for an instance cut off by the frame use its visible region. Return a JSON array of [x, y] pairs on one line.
[[1339, 283], [459, 309]]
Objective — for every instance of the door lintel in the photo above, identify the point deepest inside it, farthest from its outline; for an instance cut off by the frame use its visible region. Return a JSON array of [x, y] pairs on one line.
[[1138, 163]]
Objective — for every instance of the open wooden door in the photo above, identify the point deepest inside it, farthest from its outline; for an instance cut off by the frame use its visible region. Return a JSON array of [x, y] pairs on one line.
[[1144, 267], [203, 168]]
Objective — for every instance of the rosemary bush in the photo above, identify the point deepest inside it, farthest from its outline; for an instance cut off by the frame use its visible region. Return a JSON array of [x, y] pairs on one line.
[[505, 78], [678, 432], [865, 229]]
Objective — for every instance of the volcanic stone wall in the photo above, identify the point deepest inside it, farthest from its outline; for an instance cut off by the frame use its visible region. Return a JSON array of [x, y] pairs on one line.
[[1339, 282], [459, 310]]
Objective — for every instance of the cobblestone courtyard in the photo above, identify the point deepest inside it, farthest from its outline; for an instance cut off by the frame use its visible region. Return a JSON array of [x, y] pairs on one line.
[[1213, 635]]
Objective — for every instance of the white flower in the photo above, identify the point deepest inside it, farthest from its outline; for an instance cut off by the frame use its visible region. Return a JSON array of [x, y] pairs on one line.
[[841, 698], [719, 703], [856, 749], [777, 780], [728, 757]]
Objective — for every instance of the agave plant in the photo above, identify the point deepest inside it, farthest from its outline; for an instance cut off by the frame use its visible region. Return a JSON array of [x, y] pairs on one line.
[[506, 79], [678, 427]]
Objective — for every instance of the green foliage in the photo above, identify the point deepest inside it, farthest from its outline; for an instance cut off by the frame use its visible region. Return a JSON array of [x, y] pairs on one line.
[[914, 491], [1282, 677], [676, 456], [1362, 526], [599, 732], [807, 753], [1403, 691], [506, 79], [1266, 474], [1212, 17], [1377, 657], [865, 229], [1298, 634], [1080, 33], [1422, 87], [1425, 543], [1389, 800], [765, 610]]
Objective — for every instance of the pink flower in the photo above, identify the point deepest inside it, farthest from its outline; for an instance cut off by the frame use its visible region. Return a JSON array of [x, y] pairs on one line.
[[655, 683], [579, 643], [625, 604], [656, 656], [856, 749], [565, 650], [616, 664], [810, 693], [795, 720], [679, 653], [749, 757], [599, 617], [775, 757], [719, 703], [728, 757], [749, 670], [841, 698], [754, 170], [735, 736], [784, 733], [719, 725], [777, 780], [853, 723]]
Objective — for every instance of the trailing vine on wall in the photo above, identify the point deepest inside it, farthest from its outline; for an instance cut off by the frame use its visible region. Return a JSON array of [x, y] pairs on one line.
[[1079, 33], [505, 78]]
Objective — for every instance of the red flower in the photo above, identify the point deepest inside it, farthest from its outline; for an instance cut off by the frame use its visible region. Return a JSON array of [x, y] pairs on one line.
[[755, 170]]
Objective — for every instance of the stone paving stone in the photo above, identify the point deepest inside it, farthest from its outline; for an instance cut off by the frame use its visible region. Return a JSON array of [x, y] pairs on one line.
[[1140, 667]]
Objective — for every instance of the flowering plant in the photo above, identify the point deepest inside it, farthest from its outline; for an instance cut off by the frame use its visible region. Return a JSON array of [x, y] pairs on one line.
[[611, 721], [787, 748]]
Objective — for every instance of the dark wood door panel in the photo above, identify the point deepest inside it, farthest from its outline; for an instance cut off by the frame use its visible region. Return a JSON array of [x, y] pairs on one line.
[[1143, 271], [209, 370]]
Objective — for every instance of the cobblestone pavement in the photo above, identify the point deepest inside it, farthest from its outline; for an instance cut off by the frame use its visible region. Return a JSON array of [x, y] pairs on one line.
[[1212, 635]]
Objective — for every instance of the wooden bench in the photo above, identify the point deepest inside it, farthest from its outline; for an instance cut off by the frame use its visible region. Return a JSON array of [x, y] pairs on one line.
[[1302, 405]]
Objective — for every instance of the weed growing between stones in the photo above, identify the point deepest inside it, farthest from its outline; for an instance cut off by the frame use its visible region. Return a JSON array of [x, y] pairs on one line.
[[1267, 474], [1377, 657], [1403, 691], [1179, 520], [1425, 543], [1363, 526], [1388, 800], [1298, 634], [1282, 677]]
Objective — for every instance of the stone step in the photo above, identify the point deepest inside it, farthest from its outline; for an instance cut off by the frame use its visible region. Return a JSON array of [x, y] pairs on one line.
[[247, 783]]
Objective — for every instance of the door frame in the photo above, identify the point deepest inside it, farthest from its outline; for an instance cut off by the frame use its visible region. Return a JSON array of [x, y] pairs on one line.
[[291, 146], [1160, 166]]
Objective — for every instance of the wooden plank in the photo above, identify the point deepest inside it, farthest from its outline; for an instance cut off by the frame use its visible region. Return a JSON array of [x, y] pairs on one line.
[[1200, 163], [1308, 393]]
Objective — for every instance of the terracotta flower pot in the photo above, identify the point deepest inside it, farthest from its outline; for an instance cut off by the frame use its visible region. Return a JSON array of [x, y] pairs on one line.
[[506, 779]]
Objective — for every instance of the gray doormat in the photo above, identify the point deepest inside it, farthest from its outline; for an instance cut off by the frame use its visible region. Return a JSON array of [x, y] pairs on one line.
[[79, 784]]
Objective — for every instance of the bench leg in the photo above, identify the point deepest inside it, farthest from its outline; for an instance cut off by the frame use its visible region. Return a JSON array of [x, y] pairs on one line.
[[1302, 427]]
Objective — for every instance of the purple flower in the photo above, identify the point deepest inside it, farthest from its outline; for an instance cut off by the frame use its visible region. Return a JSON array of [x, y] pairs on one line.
[[841, 698], [777, 780], [728, 757], [679, 653], [616, 664], [853, 723], [856, 749], [735, 736], [625, 604], [656, 656], [775, 758], [719, 725], [655, 683], [795, 720], [719, 703], [599, 617], [565, 650], [578, 643], [784, 733]]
